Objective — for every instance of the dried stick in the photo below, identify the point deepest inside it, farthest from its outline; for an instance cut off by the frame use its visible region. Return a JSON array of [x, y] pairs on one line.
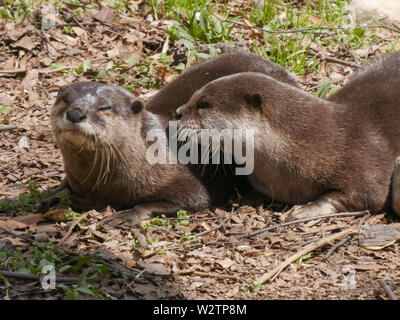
[[333, 215], [388, 291], [312, 29], [13, 71], [73, 225], [19, 275], [11, 233], [7, 127], [309, 248], [333, 248], [336, 60]]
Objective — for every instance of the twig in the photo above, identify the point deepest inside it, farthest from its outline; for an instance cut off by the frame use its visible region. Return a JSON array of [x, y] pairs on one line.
[[214, 275], [213, 229], [19, 275], [73, 225], [346, 50], [193, 236], [343, 241], [7, 127], [13, 71], [89, 33], [312, 29], [333, 248], [387, 290], [309, 248], [16, 235], [336, 60], [333, 215]]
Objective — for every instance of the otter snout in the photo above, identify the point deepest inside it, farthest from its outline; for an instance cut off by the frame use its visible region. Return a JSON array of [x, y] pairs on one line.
[[178, 113], [76, 115]]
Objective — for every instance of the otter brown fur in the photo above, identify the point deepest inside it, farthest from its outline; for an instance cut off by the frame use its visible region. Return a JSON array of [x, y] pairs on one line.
[[178, 92], [100, 131], [219, 180], [323, 156]]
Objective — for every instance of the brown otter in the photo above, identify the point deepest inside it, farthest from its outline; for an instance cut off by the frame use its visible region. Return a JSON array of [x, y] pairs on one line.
[[321, 155], [100, 130], [219, 180], [179, 91], [373, 88]]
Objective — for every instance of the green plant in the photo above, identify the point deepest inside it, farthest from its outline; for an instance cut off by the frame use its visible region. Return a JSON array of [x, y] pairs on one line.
[[26, 200]]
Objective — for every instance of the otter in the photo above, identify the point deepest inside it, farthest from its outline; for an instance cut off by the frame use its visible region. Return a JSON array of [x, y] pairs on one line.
[[101, 132], [220, 180], [323, 156], [178, 92], [373, 88]]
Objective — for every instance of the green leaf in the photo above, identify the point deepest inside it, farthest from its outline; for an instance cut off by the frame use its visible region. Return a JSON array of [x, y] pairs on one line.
[[83, 275], [64, 268], [86, 65], [56, 65], [71, 295], [82, 261], [85, 291], [5, 109], [359, 32], [109, 65], [131, 61], [217, 25]]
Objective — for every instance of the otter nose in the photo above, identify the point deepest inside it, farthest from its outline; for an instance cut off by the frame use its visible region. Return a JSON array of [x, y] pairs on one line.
[[76, 115], [178, 113]]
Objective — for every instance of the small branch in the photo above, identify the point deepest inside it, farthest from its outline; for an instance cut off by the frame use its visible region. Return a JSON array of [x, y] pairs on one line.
[[326, 216], [83, 27], [309, 248], [71, 228], [333, 248], [335, 60], [13, 71], [7, 127], [11, 233], [199, 234], [19, 275], [315, 29], [387, 290], [215, 228]]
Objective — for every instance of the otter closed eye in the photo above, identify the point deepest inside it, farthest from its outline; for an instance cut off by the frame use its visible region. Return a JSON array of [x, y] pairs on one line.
[[104, 108], [204, 105]]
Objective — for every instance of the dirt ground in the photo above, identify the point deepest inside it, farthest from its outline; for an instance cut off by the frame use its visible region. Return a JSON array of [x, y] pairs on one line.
[[220, 261]]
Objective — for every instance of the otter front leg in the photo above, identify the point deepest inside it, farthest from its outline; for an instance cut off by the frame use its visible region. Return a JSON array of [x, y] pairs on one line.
[[142, 212], [329, 203]]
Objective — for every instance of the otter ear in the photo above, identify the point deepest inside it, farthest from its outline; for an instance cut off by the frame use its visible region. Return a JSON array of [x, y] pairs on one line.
[[254, 100], [137, 106]]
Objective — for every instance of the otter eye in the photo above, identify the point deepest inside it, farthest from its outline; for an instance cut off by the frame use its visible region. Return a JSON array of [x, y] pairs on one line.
[[104, 108], [203, 105]]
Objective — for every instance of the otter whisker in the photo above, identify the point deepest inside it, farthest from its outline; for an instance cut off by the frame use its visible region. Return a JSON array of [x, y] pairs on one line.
[[89, 144]]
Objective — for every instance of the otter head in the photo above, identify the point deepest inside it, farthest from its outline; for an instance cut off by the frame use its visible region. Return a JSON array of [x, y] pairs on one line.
[[229, 102], [86, 114]]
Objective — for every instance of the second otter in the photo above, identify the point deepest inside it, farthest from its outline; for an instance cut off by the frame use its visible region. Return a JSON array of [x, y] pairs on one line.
[[321, 155]]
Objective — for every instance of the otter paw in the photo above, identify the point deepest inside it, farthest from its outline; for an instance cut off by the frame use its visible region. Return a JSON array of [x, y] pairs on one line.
[[129, 217], [311, 210]]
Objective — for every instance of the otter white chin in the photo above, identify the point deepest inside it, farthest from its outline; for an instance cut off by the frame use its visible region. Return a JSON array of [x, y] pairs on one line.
[[322, 156]]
